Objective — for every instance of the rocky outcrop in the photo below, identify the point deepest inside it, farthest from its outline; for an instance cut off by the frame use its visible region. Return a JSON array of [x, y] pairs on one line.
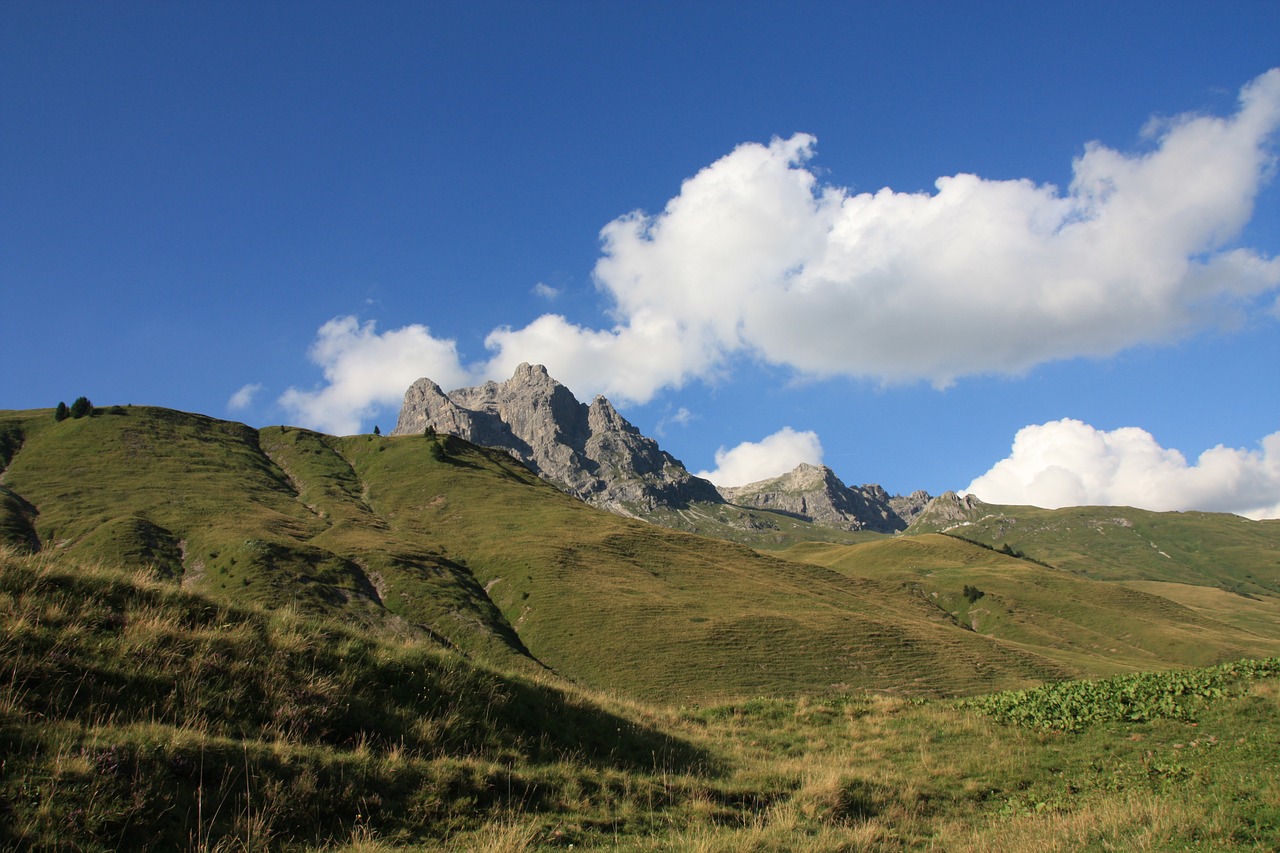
[[589, 451], [593, 452], [909, 507], [948, 511], [814, 493]]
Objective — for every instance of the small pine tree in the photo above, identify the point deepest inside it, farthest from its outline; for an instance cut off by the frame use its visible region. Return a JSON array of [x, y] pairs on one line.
[[430, 431], [62, 412], [376, 431], [81, 407]]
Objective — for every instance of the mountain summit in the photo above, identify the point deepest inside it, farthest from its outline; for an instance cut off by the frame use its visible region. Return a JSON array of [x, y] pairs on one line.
[[589, 451], [596, 454], [816, 494]]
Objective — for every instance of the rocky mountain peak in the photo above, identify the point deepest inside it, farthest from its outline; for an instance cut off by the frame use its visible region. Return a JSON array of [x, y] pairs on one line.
[[593, 452], [949, 510], [603, 417], [590, 451], [815, 493]]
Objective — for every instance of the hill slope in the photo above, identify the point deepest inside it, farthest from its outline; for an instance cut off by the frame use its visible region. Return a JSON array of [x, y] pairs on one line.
[[432, 537], [137, 715], [1122, 543], [1073, 618]]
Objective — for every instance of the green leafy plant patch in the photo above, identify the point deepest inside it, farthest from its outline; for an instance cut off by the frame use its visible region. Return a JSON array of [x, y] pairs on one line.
[[1138, 697]]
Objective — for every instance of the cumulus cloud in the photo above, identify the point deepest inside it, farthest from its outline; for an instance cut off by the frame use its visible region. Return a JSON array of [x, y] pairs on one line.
[[1070, 463], [243, 398], [772, 456], [754, 255], [366, 371], [629, 363], [757, 258]]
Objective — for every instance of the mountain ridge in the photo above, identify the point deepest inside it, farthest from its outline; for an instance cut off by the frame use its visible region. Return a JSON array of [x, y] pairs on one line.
[[590, 451], [815, 493], [594, 453]]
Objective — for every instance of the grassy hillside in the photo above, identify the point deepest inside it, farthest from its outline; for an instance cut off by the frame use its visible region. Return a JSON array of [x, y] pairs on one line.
[[1097, 625], [624, 605], [204, 500], [437, 540], [1122, 543], [446, 540], [135, 714]]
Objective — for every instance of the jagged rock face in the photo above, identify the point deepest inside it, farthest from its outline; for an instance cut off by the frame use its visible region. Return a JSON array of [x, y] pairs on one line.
[[816, 494], [949, 510], [908, 507], [589, 451]]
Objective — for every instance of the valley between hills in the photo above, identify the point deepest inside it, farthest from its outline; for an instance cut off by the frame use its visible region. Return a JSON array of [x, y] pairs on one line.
[[222, 637]]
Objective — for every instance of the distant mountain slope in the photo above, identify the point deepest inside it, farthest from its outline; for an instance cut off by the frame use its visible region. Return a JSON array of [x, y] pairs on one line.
[[1122, 543], [1020, 602], [432, 536], [594, 453], [814, 493]]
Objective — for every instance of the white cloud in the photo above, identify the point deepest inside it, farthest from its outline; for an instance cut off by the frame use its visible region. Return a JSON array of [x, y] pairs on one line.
[[1070, 463], [546, 291], [756, 258], [243, 398], [629, 363], [681, 417], [772, 456], [366, 371]]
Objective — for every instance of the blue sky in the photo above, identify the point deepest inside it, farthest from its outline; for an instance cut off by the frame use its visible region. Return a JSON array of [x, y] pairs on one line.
[[727, 217]]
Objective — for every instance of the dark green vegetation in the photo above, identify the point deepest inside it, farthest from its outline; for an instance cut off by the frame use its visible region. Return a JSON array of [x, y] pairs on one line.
[[226, 638], [1074, 705]]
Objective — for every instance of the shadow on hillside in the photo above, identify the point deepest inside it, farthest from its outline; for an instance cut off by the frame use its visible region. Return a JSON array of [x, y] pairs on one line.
[[558, 727]]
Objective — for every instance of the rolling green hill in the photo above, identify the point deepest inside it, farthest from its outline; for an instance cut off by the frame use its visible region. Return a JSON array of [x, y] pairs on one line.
[[1096, 625], [435, 538], [138, 715], [446, 539], [221, 638], [1122, 543]]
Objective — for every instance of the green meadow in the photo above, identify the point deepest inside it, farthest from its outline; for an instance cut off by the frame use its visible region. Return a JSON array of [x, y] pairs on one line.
[[222, 638]]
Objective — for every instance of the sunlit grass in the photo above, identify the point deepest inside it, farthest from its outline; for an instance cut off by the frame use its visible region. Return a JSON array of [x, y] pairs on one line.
[[234, 639], [326, 738]]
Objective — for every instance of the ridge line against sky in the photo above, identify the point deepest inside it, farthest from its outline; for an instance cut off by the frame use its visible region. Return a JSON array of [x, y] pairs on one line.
[[755, 256], [1024, 247]]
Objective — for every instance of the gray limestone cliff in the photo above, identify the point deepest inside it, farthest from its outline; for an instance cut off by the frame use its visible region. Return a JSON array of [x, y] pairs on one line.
[[909, 507], [814, 493], [589, 451], [948, 511]]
